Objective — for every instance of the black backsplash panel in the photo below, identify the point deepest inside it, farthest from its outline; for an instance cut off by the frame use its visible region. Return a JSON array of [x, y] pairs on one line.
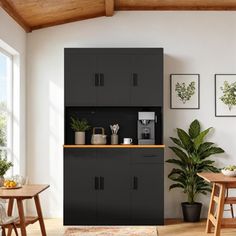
[[126, 117]]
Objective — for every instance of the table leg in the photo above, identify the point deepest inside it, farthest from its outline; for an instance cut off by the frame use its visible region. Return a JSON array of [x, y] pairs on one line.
[[220, 210], [210, 210], [21, 216], [9, 213], [40, 215]]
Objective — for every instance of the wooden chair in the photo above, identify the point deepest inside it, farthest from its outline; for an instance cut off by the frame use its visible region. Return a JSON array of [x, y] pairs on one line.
[[7, 221]]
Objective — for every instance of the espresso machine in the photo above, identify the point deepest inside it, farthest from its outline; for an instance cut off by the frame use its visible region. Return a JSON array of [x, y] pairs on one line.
[[146, 128]]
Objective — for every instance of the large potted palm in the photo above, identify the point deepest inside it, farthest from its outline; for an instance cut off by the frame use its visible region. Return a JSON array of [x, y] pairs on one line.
[[192, 157]]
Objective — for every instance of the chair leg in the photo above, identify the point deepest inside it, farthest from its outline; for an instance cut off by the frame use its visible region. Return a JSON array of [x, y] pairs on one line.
[[14, 227], [232, 210], [3, 231]]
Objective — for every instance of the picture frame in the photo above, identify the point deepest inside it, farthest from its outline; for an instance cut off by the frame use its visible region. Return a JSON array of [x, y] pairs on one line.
[[225, 95], [185, 91]]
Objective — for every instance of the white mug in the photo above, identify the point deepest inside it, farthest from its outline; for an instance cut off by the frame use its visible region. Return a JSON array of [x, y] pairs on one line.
[[127, 140]]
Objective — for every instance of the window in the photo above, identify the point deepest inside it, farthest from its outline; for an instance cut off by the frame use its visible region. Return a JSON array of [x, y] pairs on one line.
[[6, 115]]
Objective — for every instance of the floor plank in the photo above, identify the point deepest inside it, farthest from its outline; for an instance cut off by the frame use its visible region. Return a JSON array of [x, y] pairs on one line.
[[54, 227]]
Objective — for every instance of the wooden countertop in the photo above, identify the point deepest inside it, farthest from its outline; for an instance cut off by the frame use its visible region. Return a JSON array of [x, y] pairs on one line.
[[217, 178], [114, 146], [27, 191]]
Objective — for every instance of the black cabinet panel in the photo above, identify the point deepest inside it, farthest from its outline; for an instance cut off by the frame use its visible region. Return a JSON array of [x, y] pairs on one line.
[[149, 155], [81, 79], [147, 87], [113, 202], [147, 202], [79, 187], [108, 187], [114, 79]]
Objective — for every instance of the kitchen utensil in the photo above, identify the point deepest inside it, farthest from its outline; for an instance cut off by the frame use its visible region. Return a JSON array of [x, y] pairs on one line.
[[98, 139], [114, 128]]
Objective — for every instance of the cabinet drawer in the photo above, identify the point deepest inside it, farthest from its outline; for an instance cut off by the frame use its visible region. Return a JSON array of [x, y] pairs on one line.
[[147, 155]]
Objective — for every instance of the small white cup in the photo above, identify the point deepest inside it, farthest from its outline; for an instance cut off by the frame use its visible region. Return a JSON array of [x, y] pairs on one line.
[[127, 140]]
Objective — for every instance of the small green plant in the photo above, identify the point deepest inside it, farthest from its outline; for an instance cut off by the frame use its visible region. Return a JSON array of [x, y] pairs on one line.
[[185, 92], [192, 153], [229, 94], [4, 166], [79, 125]]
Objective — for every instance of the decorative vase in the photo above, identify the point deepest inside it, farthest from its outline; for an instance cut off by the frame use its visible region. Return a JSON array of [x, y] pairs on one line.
[[80, 138], [1, 181], [114, 139]]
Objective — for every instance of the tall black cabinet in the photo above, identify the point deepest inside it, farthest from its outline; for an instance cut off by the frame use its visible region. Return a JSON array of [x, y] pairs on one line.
[[113, 185]]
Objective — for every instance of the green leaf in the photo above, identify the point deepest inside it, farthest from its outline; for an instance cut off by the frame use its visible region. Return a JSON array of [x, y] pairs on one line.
[[185, 139], [194, 129], [176, 186], [204, 146], [176, 162], [179, 153], [199, 139], [211, 151], [177, 141], [176, 172]]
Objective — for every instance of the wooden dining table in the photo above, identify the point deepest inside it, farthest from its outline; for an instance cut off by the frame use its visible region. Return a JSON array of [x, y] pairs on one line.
[[221, 185], [30, 191]]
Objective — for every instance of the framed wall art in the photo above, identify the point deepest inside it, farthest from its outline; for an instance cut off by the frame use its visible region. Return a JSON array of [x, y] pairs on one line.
[[185, 91], [225, 95]]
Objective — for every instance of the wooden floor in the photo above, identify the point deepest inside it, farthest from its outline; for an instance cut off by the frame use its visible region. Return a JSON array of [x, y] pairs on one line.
[[55, 227]]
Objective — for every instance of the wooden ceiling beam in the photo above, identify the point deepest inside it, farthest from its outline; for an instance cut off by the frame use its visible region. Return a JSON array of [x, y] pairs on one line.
[[109, 7], [180, 5], [69, 20], [14, 14]]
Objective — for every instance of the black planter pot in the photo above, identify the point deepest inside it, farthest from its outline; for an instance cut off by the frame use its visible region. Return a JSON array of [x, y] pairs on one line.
[[191, 212]]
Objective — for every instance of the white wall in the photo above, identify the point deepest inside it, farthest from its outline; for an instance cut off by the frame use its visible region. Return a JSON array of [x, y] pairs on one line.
[[13, 39], [194, 42]]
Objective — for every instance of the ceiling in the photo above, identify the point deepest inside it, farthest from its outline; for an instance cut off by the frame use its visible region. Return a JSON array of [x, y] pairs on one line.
[[36, 14]]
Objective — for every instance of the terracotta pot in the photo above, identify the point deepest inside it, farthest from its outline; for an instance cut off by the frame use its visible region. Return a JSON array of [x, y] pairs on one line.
[[80, 138]]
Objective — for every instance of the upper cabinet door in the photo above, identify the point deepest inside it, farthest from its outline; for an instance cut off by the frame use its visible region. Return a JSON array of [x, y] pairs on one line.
[[114, 79], [147, 80], [81, 79]]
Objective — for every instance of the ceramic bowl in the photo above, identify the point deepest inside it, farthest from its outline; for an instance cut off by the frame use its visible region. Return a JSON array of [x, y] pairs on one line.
[[230, 173]]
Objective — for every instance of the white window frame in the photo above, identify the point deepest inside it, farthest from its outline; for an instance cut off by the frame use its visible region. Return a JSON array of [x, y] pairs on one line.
[[9, 108]]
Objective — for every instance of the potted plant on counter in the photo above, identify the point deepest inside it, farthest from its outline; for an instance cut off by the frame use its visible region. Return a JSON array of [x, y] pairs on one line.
[[80, 127], [4, 167], [192, 153]]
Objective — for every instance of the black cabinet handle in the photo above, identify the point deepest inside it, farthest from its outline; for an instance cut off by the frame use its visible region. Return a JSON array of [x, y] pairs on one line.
[[101, 79], [96, 183], [96, 79], [101, 182], [150, 156], [135, 79], [135, 183]]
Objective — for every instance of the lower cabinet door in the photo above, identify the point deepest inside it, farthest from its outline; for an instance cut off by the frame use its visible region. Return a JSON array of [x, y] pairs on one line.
[[113, 201], [79, 187], [147, 198]]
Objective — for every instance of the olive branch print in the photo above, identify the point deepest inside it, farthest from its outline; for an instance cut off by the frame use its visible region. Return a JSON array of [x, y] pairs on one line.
[[229, 94], [185, 92]]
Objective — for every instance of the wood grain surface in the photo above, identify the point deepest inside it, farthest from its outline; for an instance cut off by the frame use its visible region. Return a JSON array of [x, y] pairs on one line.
[[36, 14]]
